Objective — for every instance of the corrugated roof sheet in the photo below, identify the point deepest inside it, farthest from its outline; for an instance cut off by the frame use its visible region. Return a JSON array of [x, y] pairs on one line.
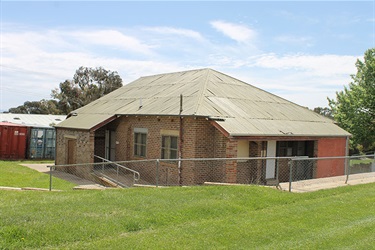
[[84, 121], [32, 120], [263, 127], [246, 110]]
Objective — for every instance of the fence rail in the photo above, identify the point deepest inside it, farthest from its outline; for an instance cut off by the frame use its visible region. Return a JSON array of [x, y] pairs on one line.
[[285, 172], [120, 169]]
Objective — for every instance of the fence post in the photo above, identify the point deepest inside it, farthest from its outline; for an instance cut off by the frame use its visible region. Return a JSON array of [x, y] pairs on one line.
[[50, 178], [179, 172], [290, 164], [347, 160], [277, 170], [157, 172], [117, 174], [347, 169]]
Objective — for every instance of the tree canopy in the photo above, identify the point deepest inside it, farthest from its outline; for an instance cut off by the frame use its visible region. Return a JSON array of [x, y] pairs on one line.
[[354, 107], [37, 107], [327, 112], [87, 85]]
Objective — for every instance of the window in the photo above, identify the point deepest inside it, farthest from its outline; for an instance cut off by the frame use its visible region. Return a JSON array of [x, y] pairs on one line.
[[140, 139], [285, 148], [169, 147]]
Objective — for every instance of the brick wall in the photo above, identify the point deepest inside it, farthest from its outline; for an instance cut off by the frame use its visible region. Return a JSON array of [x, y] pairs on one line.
[[328, 147], [81, 151], [125, 135], [231, 166], [251, 171], [200, 140], [214, 171], [84, 145]]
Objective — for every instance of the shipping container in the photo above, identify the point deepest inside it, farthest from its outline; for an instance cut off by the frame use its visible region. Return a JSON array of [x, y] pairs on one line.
[[13, 141], [42, 143]]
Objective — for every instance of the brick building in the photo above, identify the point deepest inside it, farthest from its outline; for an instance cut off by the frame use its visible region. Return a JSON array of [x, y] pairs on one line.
[[199, 114]]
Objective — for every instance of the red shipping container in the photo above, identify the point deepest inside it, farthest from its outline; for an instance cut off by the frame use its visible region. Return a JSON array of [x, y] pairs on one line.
[[13, 141]]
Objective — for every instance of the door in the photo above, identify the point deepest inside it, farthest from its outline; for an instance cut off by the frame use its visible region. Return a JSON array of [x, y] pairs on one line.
[[50, 141], [37, 143], [271, 163], [110, 145], [4, 145], [71, 152]]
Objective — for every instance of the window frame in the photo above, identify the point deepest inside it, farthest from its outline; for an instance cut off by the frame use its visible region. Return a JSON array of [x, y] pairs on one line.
[[166, 147], [140, 142]]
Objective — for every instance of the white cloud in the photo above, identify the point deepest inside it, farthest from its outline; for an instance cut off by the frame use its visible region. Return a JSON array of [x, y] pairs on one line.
[[178, 32], [112, 38], [35, 62], [319, 65], [303, 89], [239, 33], [58, 52], [303, 79], [295, 40]]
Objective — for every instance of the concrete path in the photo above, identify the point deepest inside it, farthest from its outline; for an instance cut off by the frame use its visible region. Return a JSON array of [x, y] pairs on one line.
[[81, 183], [328, 182]]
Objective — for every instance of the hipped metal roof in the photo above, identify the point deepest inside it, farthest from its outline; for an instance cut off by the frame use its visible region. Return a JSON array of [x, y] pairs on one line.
[[239, 108]]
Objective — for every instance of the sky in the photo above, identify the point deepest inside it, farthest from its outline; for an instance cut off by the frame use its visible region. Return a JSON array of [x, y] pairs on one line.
[[301, 51]]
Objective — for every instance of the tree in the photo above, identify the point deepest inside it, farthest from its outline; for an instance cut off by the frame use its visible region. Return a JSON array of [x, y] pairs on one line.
[[354, 107], [37, 107], [327, 112], [87, 85]]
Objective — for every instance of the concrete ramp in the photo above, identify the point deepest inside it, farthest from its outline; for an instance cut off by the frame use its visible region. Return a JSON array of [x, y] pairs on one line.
[[80, 182]]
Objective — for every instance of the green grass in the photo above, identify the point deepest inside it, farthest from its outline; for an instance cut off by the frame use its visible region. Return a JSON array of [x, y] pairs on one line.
[[361, 161], [238, 217], [12, 174]]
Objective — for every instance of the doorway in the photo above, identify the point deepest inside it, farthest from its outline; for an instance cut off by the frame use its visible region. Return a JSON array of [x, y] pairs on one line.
[[110, 145], [71, 151]]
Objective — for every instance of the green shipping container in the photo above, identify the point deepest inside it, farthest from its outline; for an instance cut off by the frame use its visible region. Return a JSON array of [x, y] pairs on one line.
[[42, 143]]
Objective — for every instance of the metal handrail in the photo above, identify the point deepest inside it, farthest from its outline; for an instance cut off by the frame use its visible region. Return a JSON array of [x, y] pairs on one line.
[[136, 174]]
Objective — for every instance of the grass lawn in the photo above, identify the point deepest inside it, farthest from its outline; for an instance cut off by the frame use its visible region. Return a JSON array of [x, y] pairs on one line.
[[361, 161], [12, 174], [238, 217]]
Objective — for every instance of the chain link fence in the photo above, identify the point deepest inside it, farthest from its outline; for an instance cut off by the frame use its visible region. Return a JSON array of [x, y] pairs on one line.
[[283, 172], [310, 172], [362, 163]]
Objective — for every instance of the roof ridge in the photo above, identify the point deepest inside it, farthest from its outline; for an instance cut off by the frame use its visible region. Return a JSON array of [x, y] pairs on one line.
[[174, 72], [202, 91]]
